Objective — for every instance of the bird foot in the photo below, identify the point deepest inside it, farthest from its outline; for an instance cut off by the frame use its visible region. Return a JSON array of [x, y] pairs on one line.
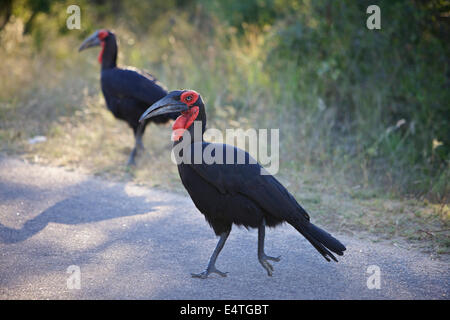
[[131, 162], [132, 159], [207, 272], [266, 265]]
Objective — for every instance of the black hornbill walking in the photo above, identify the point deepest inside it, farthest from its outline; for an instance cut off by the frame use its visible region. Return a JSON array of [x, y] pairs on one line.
[[128, 92], [230, 193]]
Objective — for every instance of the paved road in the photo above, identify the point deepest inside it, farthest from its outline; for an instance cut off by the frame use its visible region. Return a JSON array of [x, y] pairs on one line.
[[132, 242]]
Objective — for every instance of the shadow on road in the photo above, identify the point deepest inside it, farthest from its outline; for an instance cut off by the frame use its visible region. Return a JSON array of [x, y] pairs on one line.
[[87, 203]]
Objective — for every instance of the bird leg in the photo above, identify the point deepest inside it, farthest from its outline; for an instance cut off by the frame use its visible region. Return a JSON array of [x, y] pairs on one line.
[[262, 257], [211, 268], [138, 133], [132, 158], [138, 136]]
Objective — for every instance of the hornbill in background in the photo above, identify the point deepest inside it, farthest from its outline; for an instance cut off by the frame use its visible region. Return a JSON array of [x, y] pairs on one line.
[[228, 192], [127, 92]]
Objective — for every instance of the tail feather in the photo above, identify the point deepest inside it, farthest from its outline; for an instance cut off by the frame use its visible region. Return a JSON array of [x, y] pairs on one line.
[[324, 242], [327, 239]]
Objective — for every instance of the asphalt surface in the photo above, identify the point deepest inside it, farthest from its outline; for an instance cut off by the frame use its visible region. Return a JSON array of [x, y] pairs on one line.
[[131, 242]]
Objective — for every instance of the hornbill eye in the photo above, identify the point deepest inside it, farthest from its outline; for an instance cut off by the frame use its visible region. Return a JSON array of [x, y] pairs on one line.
[[189, 97]]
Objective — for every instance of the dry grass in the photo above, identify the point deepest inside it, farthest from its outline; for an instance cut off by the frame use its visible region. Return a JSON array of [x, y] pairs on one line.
[[56, 94], [97, 143]]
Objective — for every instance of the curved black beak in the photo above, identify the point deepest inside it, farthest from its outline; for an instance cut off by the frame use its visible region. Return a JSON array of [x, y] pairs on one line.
[[91, 41], [163, 106]]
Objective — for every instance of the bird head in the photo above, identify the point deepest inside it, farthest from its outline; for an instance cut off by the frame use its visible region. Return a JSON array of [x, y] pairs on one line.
[[187, 102], [98, 38]]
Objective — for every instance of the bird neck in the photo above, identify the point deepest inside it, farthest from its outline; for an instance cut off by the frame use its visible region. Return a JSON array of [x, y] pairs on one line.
[[108, 55]]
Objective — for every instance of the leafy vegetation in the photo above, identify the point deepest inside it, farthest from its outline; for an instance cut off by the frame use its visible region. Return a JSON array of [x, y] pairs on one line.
[[367, 109]]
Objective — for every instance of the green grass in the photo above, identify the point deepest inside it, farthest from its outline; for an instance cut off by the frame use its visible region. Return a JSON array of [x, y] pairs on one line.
[[337, 175]]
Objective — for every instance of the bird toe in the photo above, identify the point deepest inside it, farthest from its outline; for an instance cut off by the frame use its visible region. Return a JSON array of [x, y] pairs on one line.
[[266, 265], [207, 272], [276, 259], [202, 275]]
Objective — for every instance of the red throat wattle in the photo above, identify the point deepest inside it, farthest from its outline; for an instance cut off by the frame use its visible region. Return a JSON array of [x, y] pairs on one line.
[[183, 122], [102, 34], [100, 55]]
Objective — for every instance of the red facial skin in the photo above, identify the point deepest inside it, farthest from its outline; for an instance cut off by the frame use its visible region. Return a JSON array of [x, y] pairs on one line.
[[188, 117], [102, 34]]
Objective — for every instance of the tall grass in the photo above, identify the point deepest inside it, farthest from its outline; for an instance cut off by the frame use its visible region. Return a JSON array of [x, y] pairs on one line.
[[366, 104]]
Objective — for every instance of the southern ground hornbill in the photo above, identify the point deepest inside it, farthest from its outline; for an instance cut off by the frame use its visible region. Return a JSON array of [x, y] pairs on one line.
[[230, 193], [128, 92]]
